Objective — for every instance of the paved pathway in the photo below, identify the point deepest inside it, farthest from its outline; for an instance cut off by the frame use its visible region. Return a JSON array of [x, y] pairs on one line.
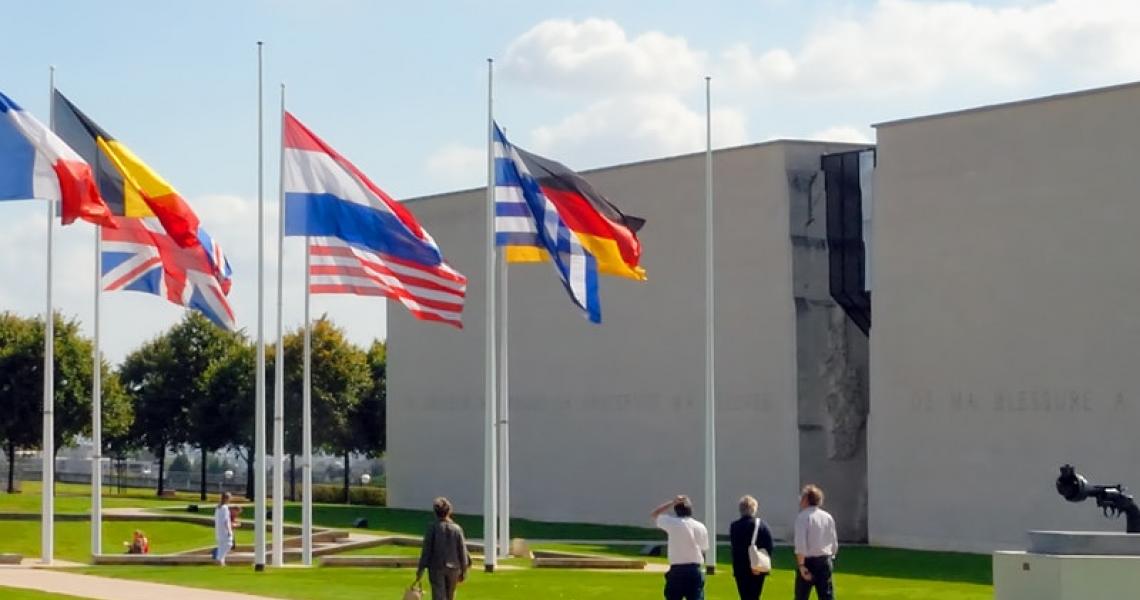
[[104, 588]]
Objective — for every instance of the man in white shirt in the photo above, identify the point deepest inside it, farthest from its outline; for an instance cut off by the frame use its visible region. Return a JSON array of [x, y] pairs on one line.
[[688, 540], [816, 546], [223, 529]]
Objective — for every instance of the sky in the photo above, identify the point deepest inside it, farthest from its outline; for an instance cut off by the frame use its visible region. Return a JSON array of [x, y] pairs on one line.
[[400, 88]]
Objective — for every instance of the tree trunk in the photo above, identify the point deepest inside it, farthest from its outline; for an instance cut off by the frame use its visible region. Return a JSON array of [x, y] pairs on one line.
[[11, 449], [161, 470], [346, 496], [202, 485], [292, 477], [249, 475]]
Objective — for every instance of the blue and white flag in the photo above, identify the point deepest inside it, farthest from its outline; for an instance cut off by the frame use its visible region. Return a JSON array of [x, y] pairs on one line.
[[518, 195]]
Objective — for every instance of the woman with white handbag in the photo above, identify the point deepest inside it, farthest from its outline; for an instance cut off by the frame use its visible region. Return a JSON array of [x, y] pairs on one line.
[[751, 550]]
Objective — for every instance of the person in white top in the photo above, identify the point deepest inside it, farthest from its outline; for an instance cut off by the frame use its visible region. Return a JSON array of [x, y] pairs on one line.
[[816, 546], [223, 529], [688, 540]]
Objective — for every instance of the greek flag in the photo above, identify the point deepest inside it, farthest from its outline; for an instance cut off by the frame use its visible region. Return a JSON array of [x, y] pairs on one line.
[[524, 215]]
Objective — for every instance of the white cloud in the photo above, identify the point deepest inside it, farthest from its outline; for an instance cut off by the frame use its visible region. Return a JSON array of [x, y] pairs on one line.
[[459, 165], [596, 55], [910, 47], [629, 128]]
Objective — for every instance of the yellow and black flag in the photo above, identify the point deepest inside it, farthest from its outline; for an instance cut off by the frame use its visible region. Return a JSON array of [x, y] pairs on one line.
[[129, 187]]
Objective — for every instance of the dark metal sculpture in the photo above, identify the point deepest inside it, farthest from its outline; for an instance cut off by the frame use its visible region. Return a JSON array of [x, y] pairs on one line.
[[1114, 500]]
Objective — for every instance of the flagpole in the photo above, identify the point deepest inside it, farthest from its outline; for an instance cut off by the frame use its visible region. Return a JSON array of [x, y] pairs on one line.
[[307, 430], [490, 447], [504, 415], [279, 367], [97, 408], [259, 384], [710, 349], [47, 517]]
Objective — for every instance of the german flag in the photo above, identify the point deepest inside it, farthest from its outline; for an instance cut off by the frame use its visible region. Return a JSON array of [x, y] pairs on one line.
[[129, 187], [605, 232]]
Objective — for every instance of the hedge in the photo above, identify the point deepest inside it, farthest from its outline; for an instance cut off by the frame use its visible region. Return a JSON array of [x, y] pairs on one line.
[[334, 494]]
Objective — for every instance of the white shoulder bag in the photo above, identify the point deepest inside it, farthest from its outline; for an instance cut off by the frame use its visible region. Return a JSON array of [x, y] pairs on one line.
[[759, 559]]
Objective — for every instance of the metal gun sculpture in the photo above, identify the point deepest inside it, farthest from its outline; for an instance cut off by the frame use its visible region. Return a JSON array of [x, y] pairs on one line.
[[1113, 500]]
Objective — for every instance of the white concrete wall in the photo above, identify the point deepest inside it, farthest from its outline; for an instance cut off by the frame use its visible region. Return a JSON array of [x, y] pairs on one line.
[[607, 420], [1006, 319]]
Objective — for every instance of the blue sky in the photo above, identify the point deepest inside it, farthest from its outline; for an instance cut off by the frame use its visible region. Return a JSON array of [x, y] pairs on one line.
[[399, 88]]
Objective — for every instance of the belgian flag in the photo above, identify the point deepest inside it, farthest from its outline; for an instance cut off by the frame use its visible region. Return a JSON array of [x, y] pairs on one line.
[[604, 230], [128, 186]]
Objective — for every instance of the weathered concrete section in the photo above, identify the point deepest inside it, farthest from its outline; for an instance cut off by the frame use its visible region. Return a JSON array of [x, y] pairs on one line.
[[831, 366]]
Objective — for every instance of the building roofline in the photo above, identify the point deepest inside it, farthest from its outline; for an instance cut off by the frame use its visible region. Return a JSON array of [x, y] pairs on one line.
[[1011, 104], [648, 161]]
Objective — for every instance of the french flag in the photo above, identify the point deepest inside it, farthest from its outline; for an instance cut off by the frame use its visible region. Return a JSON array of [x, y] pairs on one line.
[[362, 241], [35, 163]]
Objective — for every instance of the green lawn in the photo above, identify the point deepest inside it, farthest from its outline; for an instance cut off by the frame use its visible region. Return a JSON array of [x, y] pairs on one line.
[[8, 593], [523, 584], [413, 522], [72, 538], [862, 573], [76, 499]]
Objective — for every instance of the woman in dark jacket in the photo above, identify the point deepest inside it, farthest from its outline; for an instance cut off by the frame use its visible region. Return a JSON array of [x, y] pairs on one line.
[[748, 584], [444, 553]]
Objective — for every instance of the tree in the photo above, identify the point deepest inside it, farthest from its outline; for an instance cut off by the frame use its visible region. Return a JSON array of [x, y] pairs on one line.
[[230, 381], [22, 382], [20, 394], [340, 380], [371, 416], [161, 419], [197, 344]]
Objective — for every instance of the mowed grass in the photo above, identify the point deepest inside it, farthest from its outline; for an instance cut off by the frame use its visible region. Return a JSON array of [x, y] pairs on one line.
[[414, 522], [72, 538], [8, 593], [76, 499], [521, 584]]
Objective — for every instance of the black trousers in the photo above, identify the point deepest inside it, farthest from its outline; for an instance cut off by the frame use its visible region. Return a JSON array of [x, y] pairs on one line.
[[749, 586], [685, 582], [820, 569]]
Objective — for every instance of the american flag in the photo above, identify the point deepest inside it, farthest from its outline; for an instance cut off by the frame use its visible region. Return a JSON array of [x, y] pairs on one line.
[[431, 293], [139, 256], [361, 240]]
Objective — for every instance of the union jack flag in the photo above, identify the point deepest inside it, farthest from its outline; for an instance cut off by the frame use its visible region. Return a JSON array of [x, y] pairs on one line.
[[139, 256]]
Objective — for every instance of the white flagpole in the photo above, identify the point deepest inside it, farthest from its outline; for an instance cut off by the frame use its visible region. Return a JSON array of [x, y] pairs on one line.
[[504, 416], [259, 384], [307, 430], [279, 367], [710, 349], [47, 517], [97, 408], [490, 488]]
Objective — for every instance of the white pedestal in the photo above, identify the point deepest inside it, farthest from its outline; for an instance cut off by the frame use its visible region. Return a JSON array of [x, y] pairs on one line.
[[1028, 576]]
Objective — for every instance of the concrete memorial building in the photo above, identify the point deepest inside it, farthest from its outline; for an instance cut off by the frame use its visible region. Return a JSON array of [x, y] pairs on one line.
[[998, 246]]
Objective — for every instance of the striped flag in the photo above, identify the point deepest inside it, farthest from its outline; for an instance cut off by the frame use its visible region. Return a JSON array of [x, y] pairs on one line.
[[36, 163], [139, 256], [545, 211], [362, 241]]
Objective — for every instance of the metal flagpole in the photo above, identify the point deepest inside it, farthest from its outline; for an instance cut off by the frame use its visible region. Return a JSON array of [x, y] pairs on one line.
[[710, 349], [504, 415], [97, 408], [259, 384], [307, 430], [279, 367], [47, 516], [490, 448]]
